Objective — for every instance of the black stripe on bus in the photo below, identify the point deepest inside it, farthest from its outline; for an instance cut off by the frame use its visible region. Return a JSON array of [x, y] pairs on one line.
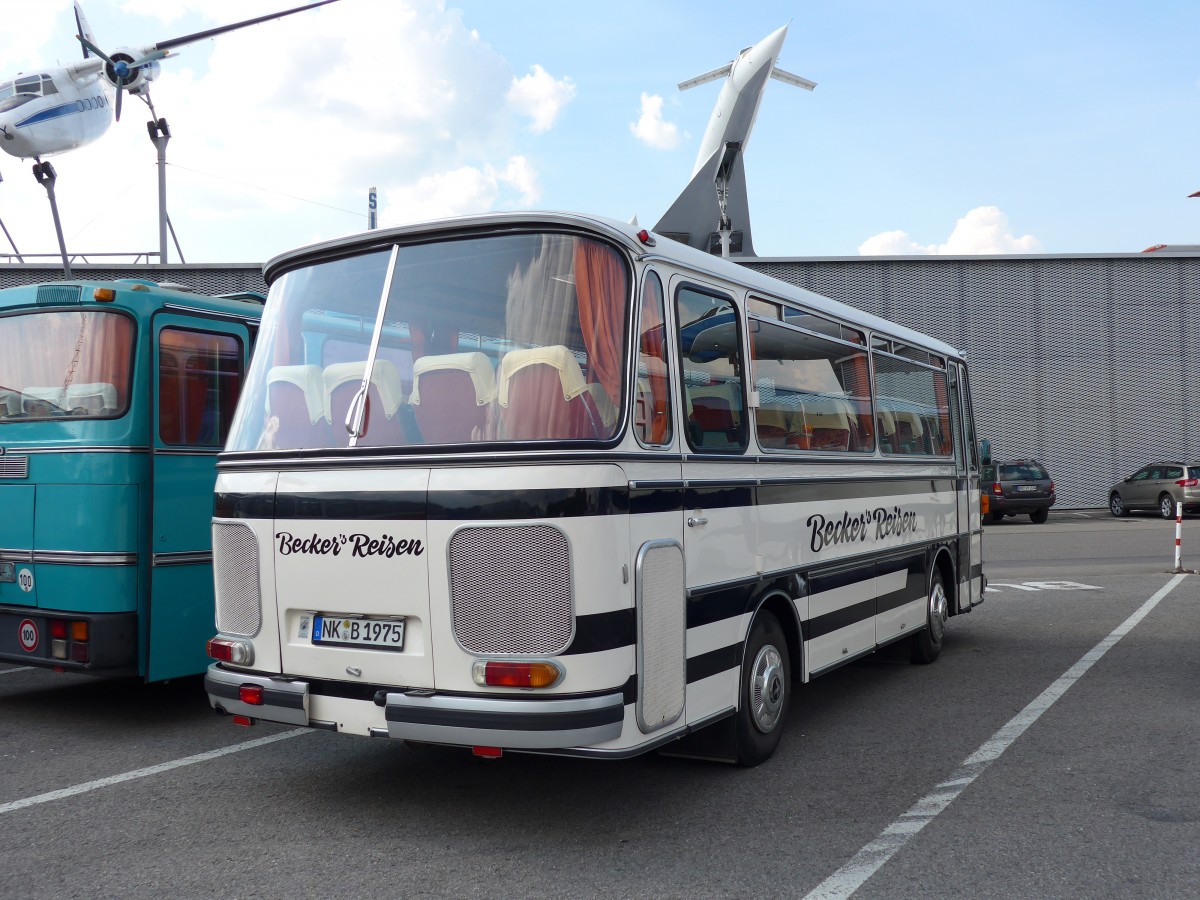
[[841, 618], [597, 632], [714, 662], [545, 503], [554, 503]]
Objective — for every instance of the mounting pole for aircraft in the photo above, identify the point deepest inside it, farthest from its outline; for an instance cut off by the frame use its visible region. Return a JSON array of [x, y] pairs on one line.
[[724, 172], [160, 134], [45, 175], [11, 243]]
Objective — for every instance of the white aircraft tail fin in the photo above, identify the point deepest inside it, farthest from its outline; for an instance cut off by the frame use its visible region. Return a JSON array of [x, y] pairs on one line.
[[84, 29]]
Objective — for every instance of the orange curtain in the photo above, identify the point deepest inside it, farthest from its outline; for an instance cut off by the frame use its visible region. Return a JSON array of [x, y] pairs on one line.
[[652, 344], [600, 286], [939, 389]]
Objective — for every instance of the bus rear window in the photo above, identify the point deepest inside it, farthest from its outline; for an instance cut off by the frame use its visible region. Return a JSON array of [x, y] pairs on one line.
[[499, 339], [64, 364]]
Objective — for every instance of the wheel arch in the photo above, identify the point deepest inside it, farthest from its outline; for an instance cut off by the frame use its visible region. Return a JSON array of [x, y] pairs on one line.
[[942, 560], [779, 598]]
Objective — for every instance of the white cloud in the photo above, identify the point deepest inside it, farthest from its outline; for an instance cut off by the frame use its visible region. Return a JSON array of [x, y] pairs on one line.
[[984, 230], [541, 97], [463, 191], [278, 130], [651, 129]]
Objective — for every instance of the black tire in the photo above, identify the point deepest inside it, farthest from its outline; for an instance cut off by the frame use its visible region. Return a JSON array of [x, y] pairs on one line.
[[927, 643], [1039, 516], [766, 687], [995, 516], [1116, 505], [1166, 506]]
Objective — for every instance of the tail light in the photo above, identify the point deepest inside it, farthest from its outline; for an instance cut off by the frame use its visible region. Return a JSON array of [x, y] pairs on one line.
[[1188, 482], [996, 489], [502, 673], [1052, 487], [240, 653]]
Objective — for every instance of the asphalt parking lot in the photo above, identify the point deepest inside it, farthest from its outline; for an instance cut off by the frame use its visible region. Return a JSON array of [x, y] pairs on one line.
[[1049, 752]]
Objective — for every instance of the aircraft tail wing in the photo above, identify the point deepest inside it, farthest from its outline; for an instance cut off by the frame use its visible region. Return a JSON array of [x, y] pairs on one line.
[[697, 208], [793, 80], [707, 77], [84, 29]]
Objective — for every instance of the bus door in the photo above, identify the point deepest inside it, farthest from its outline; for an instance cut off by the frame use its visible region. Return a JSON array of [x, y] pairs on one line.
[[970, 522], [656, 530], [197, 370]]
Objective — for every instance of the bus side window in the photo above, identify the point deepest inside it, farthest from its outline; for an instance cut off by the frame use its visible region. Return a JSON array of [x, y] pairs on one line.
[[711, 366], [652, 398], [200, 376]]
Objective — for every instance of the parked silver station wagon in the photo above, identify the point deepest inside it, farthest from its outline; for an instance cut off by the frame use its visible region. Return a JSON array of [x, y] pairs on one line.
[[1158, 486]]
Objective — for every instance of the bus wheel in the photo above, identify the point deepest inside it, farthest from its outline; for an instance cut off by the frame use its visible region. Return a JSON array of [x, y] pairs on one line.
[[765, 691], [927, 643]]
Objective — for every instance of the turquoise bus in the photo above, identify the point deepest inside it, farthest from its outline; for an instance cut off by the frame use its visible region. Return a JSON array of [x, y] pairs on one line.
[[115, 398]]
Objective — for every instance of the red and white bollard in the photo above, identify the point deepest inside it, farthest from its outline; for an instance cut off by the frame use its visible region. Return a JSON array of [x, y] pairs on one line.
[[1179, 538]]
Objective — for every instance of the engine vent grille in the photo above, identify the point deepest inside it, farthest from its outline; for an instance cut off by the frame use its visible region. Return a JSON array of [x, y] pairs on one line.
[[14, 466], [511, 589], [235, 566], [53, 294]]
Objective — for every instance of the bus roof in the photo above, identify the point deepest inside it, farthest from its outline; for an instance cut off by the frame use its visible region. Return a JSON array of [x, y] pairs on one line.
[[623, 233], [131, 293]]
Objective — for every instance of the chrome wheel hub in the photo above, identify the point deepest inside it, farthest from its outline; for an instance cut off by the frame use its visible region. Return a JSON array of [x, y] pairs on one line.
[[938, 611], [767, 689]]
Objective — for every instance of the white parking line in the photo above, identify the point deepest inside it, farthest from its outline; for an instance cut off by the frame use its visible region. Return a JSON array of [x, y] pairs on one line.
[[149, 770], [17, 669], [850, 877]]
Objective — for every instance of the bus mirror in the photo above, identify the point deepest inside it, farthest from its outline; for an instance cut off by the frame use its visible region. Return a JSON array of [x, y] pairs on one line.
[[985, 452]]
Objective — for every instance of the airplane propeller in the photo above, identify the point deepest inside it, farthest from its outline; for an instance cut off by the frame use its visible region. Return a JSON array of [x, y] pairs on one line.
[[122, 70]]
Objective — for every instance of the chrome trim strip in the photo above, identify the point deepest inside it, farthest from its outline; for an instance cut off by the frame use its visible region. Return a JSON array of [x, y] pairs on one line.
[[185, 451], [69, 557], [504, 722], [69, 449], [181, 558]]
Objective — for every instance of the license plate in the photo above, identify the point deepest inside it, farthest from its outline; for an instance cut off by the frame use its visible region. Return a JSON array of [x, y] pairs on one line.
[[355, 631], [1026, 487], [8, 572]]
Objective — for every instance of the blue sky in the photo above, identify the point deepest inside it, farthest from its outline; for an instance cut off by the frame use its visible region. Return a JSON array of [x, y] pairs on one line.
[[1055, 127]]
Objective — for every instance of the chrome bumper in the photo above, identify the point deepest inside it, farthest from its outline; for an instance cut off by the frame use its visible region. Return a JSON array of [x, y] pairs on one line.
[[504, 722], [510, 723], [283, 701]]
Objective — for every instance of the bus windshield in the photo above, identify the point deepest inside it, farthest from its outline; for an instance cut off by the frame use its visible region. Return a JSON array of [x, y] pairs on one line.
[[507, 338], [58, 363]]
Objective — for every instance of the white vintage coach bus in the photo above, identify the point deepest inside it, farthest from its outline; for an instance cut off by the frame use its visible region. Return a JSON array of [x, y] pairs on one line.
[[548, 483]]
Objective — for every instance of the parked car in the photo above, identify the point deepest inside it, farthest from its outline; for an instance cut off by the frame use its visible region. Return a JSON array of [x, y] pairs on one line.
[[1158, 486], [1018, 487]]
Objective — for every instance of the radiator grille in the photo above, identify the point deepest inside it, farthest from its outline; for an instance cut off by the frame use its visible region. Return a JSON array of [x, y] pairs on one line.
[[511, 590], [235, 568], [14, 466], [662, 633]]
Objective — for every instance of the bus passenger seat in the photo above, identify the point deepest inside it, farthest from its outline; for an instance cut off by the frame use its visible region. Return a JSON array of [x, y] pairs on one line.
[[543, 396], [95, 398], [451, 394], [384, 424], [296, 397]]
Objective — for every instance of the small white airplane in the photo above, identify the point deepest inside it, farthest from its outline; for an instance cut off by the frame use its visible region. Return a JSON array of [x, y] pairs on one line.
[[55, 110], [713, 209]]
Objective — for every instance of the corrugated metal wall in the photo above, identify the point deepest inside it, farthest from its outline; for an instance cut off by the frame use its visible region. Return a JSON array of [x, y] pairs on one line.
[[1087, 362]]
